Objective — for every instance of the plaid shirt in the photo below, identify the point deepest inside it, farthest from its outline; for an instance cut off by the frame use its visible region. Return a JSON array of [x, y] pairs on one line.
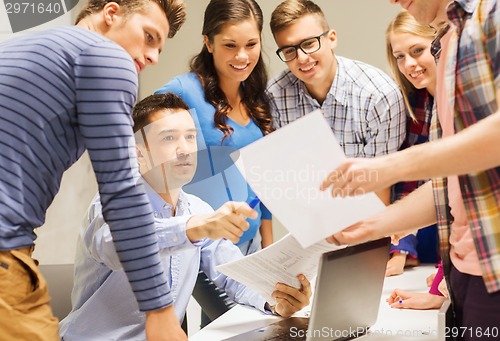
[[364, 107], [472, 78]]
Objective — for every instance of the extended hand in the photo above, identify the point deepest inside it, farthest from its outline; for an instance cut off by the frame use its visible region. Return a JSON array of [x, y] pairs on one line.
[[377, 226], [228, 222], [357, 233], [359, 176], [289, 299]]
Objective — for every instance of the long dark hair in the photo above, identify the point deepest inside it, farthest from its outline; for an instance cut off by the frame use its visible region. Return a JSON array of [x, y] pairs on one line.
[[217, 14]]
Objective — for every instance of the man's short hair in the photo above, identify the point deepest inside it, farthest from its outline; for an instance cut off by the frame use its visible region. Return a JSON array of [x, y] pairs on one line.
[[289, 11], [175, 10], [144, 109]]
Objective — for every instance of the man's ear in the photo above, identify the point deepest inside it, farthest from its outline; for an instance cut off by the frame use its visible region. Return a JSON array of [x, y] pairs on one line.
[[142, 158], [109, 12], [207, 43], [332, 39]]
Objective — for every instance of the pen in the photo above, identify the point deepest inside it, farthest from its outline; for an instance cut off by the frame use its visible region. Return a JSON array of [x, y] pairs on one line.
[[255, 201], [399, 299]]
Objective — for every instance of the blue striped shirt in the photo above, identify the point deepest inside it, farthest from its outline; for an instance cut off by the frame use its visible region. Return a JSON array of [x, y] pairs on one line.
[[61, 92]]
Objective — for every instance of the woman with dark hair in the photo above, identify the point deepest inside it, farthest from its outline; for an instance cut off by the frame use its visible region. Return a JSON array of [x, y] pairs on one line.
[[226, 92]]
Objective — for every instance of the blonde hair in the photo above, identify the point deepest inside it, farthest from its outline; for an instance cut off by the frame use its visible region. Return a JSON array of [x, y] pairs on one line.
[[289, 11], [404, 22]]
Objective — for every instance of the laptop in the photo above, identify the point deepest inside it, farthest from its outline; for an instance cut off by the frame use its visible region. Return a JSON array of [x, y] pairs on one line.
[[346, 299], [445, 321]]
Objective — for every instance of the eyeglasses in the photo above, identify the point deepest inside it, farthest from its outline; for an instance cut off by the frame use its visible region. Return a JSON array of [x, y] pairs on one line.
[[308, 46]]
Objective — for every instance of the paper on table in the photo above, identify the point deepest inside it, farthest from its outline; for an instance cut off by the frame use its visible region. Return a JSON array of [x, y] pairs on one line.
[[279, 262], [285, 170]]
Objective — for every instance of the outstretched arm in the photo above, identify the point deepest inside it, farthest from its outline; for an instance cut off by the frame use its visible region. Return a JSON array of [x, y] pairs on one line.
[[228, 222], [414, 211], [454, 155]]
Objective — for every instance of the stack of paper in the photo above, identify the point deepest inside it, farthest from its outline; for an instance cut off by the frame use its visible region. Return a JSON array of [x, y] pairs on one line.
[[285, 169], [280, 262]]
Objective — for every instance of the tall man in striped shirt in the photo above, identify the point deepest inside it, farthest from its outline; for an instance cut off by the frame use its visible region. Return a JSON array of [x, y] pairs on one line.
[[61, 92], [462, 159]]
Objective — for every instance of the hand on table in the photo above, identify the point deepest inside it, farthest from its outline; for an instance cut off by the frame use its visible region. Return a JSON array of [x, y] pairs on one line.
[[395, 265], [414, 300], [429, 279]]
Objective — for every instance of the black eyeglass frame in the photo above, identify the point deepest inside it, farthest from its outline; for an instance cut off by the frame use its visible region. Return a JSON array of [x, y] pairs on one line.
[[296, 47]]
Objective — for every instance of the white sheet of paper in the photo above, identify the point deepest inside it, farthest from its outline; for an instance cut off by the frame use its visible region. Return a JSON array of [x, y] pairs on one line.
[[279, 262], [285, 170]]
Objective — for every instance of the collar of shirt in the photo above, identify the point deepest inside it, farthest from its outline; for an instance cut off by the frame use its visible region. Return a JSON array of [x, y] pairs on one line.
[[458, 9], [468, 5], [436, 43], [339, 85], [337, 88], [161, 208]]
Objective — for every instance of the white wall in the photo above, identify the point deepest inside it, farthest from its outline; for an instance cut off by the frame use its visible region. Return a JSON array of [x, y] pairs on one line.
[[360, 26]]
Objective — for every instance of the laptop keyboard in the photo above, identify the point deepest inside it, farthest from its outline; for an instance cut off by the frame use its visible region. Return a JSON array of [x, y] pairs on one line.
[[281, 330], [284, 335]]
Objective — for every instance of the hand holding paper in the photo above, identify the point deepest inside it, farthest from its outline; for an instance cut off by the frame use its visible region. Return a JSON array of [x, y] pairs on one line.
[[280, 262], [286, 168]]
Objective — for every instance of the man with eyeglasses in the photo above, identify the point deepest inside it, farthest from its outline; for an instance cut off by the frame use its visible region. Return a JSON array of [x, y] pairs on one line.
[[363, 106]]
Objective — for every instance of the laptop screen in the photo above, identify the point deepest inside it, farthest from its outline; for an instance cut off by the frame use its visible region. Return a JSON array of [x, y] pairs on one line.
[[348, 290], [346, 299]]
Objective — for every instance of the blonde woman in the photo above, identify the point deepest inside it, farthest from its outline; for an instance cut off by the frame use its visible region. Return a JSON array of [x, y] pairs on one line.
[[414, 68]]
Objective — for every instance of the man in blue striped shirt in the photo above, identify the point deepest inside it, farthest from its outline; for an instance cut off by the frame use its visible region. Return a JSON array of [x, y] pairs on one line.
[[61, 92]]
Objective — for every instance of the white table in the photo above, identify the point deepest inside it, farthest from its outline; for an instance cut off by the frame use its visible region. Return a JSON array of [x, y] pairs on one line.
[[392, 324]]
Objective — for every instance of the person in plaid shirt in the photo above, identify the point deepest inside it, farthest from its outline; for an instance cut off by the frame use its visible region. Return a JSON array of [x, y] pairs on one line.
[[362, 105], [462, 159]]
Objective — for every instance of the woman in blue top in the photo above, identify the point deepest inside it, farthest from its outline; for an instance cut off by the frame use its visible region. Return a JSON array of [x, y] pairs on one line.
[[226, 90]]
